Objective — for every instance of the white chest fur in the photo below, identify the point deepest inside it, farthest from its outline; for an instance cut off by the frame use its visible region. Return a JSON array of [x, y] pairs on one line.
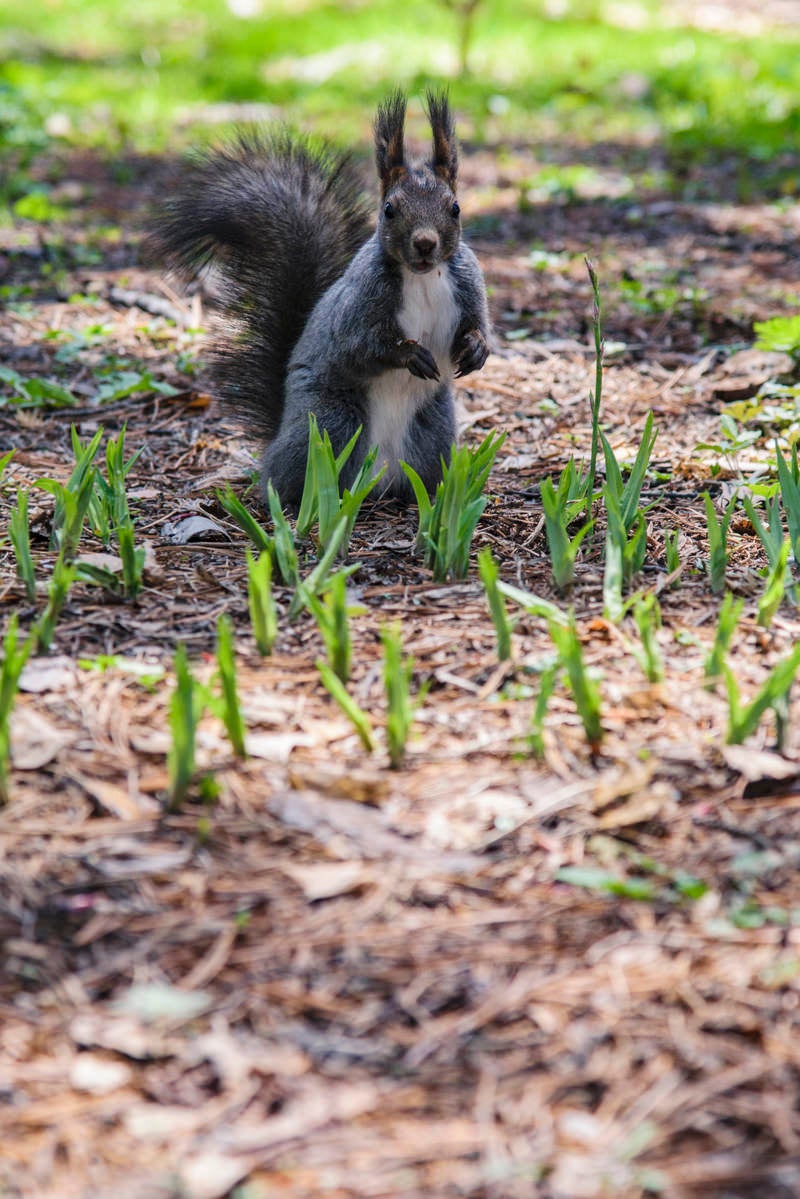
[[428, 314]]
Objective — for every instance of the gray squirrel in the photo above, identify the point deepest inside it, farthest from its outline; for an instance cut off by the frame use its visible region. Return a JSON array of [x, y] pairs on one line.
[[360, 330]]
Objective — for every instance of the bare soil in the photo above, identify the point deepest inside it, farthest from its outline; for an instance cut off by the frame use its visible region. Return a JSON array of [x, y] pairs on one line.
[[346, 981]]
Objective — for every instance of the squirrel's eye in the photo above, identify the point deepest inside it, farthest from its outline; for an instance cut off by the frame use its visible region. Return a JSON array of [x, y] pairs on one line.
[[455, 210], [388, 210]]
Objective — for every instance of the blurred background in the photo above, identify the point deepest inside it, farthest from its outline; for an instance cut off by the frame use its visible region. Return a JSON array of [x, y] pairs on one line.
[[614, 96]]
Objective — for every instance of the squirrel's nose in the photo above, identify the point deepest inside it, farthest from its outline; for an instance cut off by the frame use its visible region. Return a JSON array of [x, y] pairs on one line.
[[424, 244]]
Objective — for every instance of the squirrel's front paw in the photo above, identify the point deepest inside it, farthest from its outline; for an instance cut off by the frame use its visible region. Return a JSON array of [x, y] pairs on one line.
[[470, 351], [419, 360]]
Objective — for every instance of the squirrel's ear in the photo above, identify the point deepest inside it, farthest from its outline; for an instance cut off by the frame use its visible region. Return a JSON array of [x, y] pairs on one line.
[[389, 153], [445, 146]]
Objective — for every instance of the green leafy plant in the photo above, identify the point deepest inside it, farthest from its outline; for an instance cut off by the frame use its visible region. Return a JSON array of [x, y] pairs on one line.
[[564, 635], [332, 614], [503, 627], [62, 578], [19, 533], [400, 708], [447, 523], [727, 623], [789, 481], [624, 556], [282, 544], [595, 396], [547, 683], [563, 548], [627, 492], [15, 655], [743, 719], [718, 540], [245, 520], [263, 610], [671, 555], [337, 690], [322, 501], [772, 596], [647, 615], [226, 663], [185, 708], [780, 333]]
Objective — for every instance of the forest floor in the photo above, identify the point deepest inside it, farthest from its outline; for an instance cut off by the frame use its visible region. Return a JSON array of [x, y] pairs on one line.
[[337, 979]]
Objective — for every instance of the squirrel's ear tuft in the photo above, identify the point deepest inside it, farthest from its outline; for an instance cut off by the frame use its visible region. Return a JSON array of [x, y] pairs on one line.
[[389, 152], [445, 146]]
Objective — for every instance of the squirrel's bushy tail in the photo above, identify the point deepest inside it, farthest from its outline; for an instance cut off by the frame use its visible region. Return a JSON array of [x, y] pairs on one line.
[[278, 219]]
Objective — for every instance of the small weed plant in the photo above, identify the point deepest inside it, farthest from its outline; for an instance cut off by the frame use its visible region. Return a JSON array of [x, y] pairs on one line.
[[503, 627], [744, 719], [400, 708], [322, 502], [727, 622], [15, 655], [185, 707], [718, 540], [647, 615], [447, 523], [332, 613], [558, 508], [226, 663], [263, 610], [356, 715], [19, 532]]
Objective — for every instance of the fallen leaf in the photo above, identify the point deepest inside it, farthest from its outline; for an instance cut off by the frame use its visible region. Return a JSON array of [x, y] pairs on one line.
[[98, 1075], [35, 740], [47, 674], [326, 879]]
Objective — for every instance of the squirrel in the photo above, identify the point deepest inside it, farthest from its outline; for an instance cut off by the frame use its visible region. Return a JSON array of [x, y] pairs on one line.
[[362, 330]]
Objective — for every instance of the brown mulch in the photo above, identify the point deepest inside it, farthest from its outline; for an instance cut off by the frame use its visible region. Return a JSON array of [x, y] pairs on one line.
[[337, 979]]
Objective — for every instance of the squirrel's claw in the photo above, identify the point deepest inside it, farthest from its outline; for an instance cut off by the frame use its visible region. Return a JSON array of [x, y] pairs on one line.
[[470, 353], [422, 363]]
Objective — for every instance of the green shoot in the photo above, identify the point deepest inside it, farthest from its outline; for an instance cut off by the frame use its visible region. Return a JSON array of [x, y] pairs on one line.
[[64, 575], [775, 590], [4, 461], [15, 655], [718, 540], [770, 535], [184, 712], [337, 690], [627, 494], [332, 616], [671, 555], [743, 720], [489, 572], [80, 483], [321, 501], [318, 579], [647, 614], [584, 689], [547, 684], [282, 544], [447, 524], [625, 553], [226, 661], [397, 673], [596, 396], [20, 539], [789, 480], [563, 548], [132, 559], [729, 615], [534, 604], [246, 522], [564, 635], [263, 610], [70, 512]]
